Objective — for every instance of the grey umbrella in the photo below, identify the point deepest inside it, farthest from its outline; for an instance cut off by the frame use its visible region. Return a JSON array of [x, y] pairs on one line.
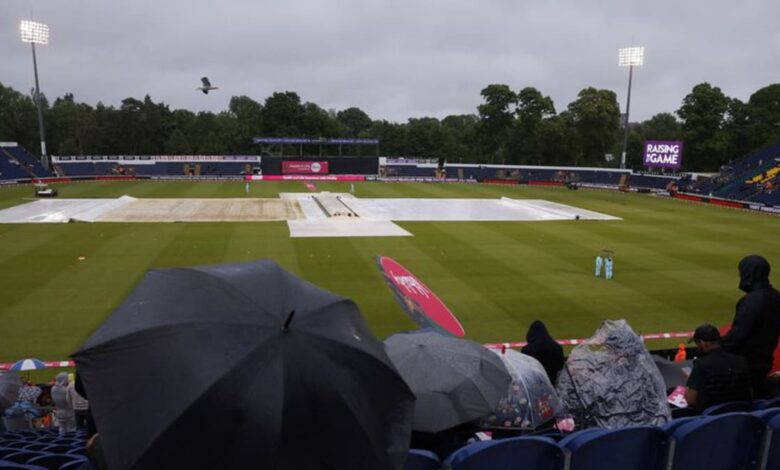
[[673, 373], [9, 389], [455, 380]]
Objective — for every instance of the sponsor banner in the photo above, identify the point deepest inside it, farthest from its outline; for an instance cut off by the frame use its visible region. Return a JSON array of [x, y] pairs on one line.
[[663, 153], [305, 178], [150, 159], [295, 167], [500, 181], [546, 183], [194, 178], [303, 140], [419, 302]]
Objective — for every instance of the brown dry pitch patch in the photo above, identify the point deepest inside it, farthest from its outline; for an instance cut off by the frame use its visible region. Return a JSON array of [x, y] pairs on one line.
[[205, 210]]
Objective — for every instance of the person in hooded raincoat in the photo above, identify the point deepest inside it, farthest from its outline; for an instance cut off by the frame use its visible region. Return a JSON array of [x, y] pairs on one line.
[[66, 419], [756, 325], [542, 347]]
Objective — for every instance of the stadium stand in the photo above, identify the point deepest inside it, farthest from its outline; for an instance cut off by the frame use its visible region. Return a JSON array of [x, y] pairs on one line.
[[26, 158], [754, 178], [42, 449]]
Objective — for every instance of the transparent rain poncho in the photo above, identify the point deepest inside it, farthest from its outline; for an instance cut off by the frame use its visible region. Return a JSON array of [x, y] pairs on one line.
[[531, 399], [610, 381]]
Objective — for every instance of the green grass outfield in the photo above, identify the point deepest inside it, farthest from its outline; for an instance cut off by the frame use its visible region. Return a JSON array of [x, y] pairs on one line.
[[675, 262]]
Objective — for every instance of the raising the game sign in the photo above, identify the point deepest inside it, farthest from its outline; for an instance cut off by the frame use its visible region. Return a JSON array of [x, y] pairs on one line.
[[422, 305], [663, 153], [294, 167]]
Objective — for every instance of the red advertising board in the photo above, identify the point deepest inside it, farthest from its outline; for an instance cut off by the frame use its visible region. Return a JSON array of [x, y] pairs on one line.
[[296, 167], [422, 305]]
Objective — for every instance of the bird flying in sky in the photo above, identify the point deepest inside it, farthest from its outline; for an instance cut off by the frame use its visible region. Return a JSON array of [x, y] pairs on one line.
[[206, 86]]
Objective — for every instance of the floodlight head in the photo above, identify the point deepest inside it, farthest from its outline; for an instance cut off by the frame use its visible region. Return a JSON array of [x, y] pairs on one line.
[[34, 32], [630, 56]]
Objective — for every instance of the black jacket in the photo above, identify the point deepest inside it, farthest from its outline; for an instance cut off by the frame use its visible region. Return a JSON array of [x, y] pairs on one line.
[[756, 325], [544, 349]]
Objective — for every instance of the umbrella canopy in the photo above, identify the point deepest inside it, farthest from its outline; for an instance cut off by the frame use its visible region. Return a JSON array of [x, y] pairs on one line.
[[673, 373], [28, 364], [242, 365], [455, 380], [9, 389], [530, 400]]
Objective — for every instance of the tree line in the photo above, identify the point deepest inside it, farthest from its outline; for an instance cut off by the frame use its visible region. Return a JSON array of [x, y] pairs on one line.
[[511, 127]]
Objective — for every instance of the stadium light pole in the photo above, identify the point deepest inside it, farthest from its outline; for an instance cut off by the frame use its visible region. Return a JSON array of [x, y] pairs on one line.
[[37, 33], [629, 57]]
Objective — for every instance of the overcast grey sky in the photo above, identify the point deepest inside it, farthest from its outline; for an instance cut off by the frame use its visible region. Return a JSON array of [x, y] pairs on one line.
[[393, 59]]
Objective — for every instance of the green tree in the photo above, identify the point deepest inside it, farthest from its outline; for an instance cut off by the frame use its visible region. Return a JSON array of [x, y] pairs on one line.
[[703, 113], [18, 118], [212, 145], [763, 116], [461, 137], [425, 138], [281, 114], [354, 121], [558, 140], [391, 136], [242, 123], [525, 142], [596, 119], [178, 144], [496, 116]]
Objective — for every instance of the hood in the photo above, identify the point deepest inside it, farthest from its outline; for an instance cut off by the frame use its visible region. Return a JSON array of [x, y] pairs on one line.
[[537, 332], [753, 273], [62, 379]]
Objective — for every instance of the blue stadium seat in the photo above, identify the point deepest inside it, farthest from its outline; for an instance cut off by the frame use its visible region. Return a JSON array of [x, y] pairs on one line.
[[7, 450], [539, 453], [56, 460], [676, 423], [419, 459], [728, 407], [22, 456], [58, 448], [8, 465], [637, 448], [772, 403], [16, 444], [772, 457], [35, 446], [725, 442], [767, 414], [73, 465]]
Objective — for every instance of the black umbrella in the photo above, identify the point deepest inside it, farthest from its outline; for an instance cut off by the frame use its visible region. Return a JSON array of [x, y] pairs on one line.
[[455, 380], [10, 383], [243, 366]]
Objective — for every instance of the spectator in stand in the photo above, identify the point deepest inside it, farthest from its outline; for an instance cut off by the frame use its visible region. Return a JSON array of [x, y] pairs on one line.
[[542, 347], [756, 325], [717, 376], [80, 406], [29, 392], [91, 428], [63, 407]]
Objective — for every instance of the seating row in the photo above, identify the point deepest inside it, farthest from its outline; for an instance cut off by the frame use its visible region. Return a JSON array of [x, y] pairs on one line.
[[722, 442]]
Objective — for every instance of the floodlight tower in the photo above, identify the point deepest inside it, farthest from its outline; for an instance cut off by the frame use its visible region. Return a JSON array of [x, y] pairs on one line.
[[629, 57], [37, 33]]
